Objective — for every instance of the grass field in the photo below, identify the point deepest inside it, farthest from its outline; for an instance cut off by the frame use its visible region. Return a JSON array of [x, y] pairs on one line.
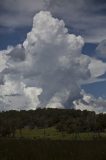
[[53, 134], [27, 149], [49, 144]]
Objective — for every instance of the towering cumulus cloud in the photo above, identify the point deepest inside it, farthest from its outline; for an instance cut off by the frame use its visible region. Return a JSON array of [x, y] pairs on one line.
[[46, 70]]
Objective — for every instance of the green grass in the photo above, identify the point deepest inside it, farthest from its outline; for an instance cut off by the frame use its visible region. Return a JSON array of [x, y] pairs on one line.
[[53, 134]]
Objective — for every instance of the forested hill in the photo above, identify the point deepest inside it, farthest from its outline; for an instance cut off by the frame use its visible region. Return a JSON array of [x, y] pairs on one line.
[[69, 120]]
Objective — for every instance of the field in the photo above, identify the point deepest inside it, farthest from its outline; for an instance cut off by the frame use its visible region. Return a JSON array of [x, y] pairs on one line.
[[53, 134], [27, 149], [49, 144]]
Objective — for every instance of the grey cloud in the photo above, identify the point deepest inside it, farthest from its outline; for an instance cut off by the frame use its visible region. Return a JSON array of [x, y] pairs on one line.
[[101, 49], [87, 17], [17, 54], [84, 16]]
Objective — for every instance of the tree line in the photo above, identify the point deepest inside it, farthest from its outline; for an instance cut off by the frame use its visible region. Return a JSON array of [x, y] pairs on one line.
[[68, 120]]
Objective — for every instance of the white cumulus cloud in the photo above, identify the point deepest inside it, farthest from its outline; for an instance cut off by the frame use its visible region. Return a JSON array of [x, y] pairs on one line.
[[47, 69], [89, 102]]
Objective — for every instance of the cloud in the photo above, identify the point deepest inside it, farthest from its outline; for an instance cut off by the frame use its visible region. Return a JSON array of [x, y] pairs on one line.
[[87, 17], [97, 68], [17, 54], [55, 55], [101, 49], [47, 70], [4, 58], [32, 94], [15, 95], [89, 102], [19, 13], [23, 5], [50, 55]]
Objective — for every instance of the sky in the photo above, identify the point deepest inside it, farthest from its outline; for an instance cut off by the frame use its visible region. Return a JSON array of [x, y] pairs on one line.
[[53, 54]]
